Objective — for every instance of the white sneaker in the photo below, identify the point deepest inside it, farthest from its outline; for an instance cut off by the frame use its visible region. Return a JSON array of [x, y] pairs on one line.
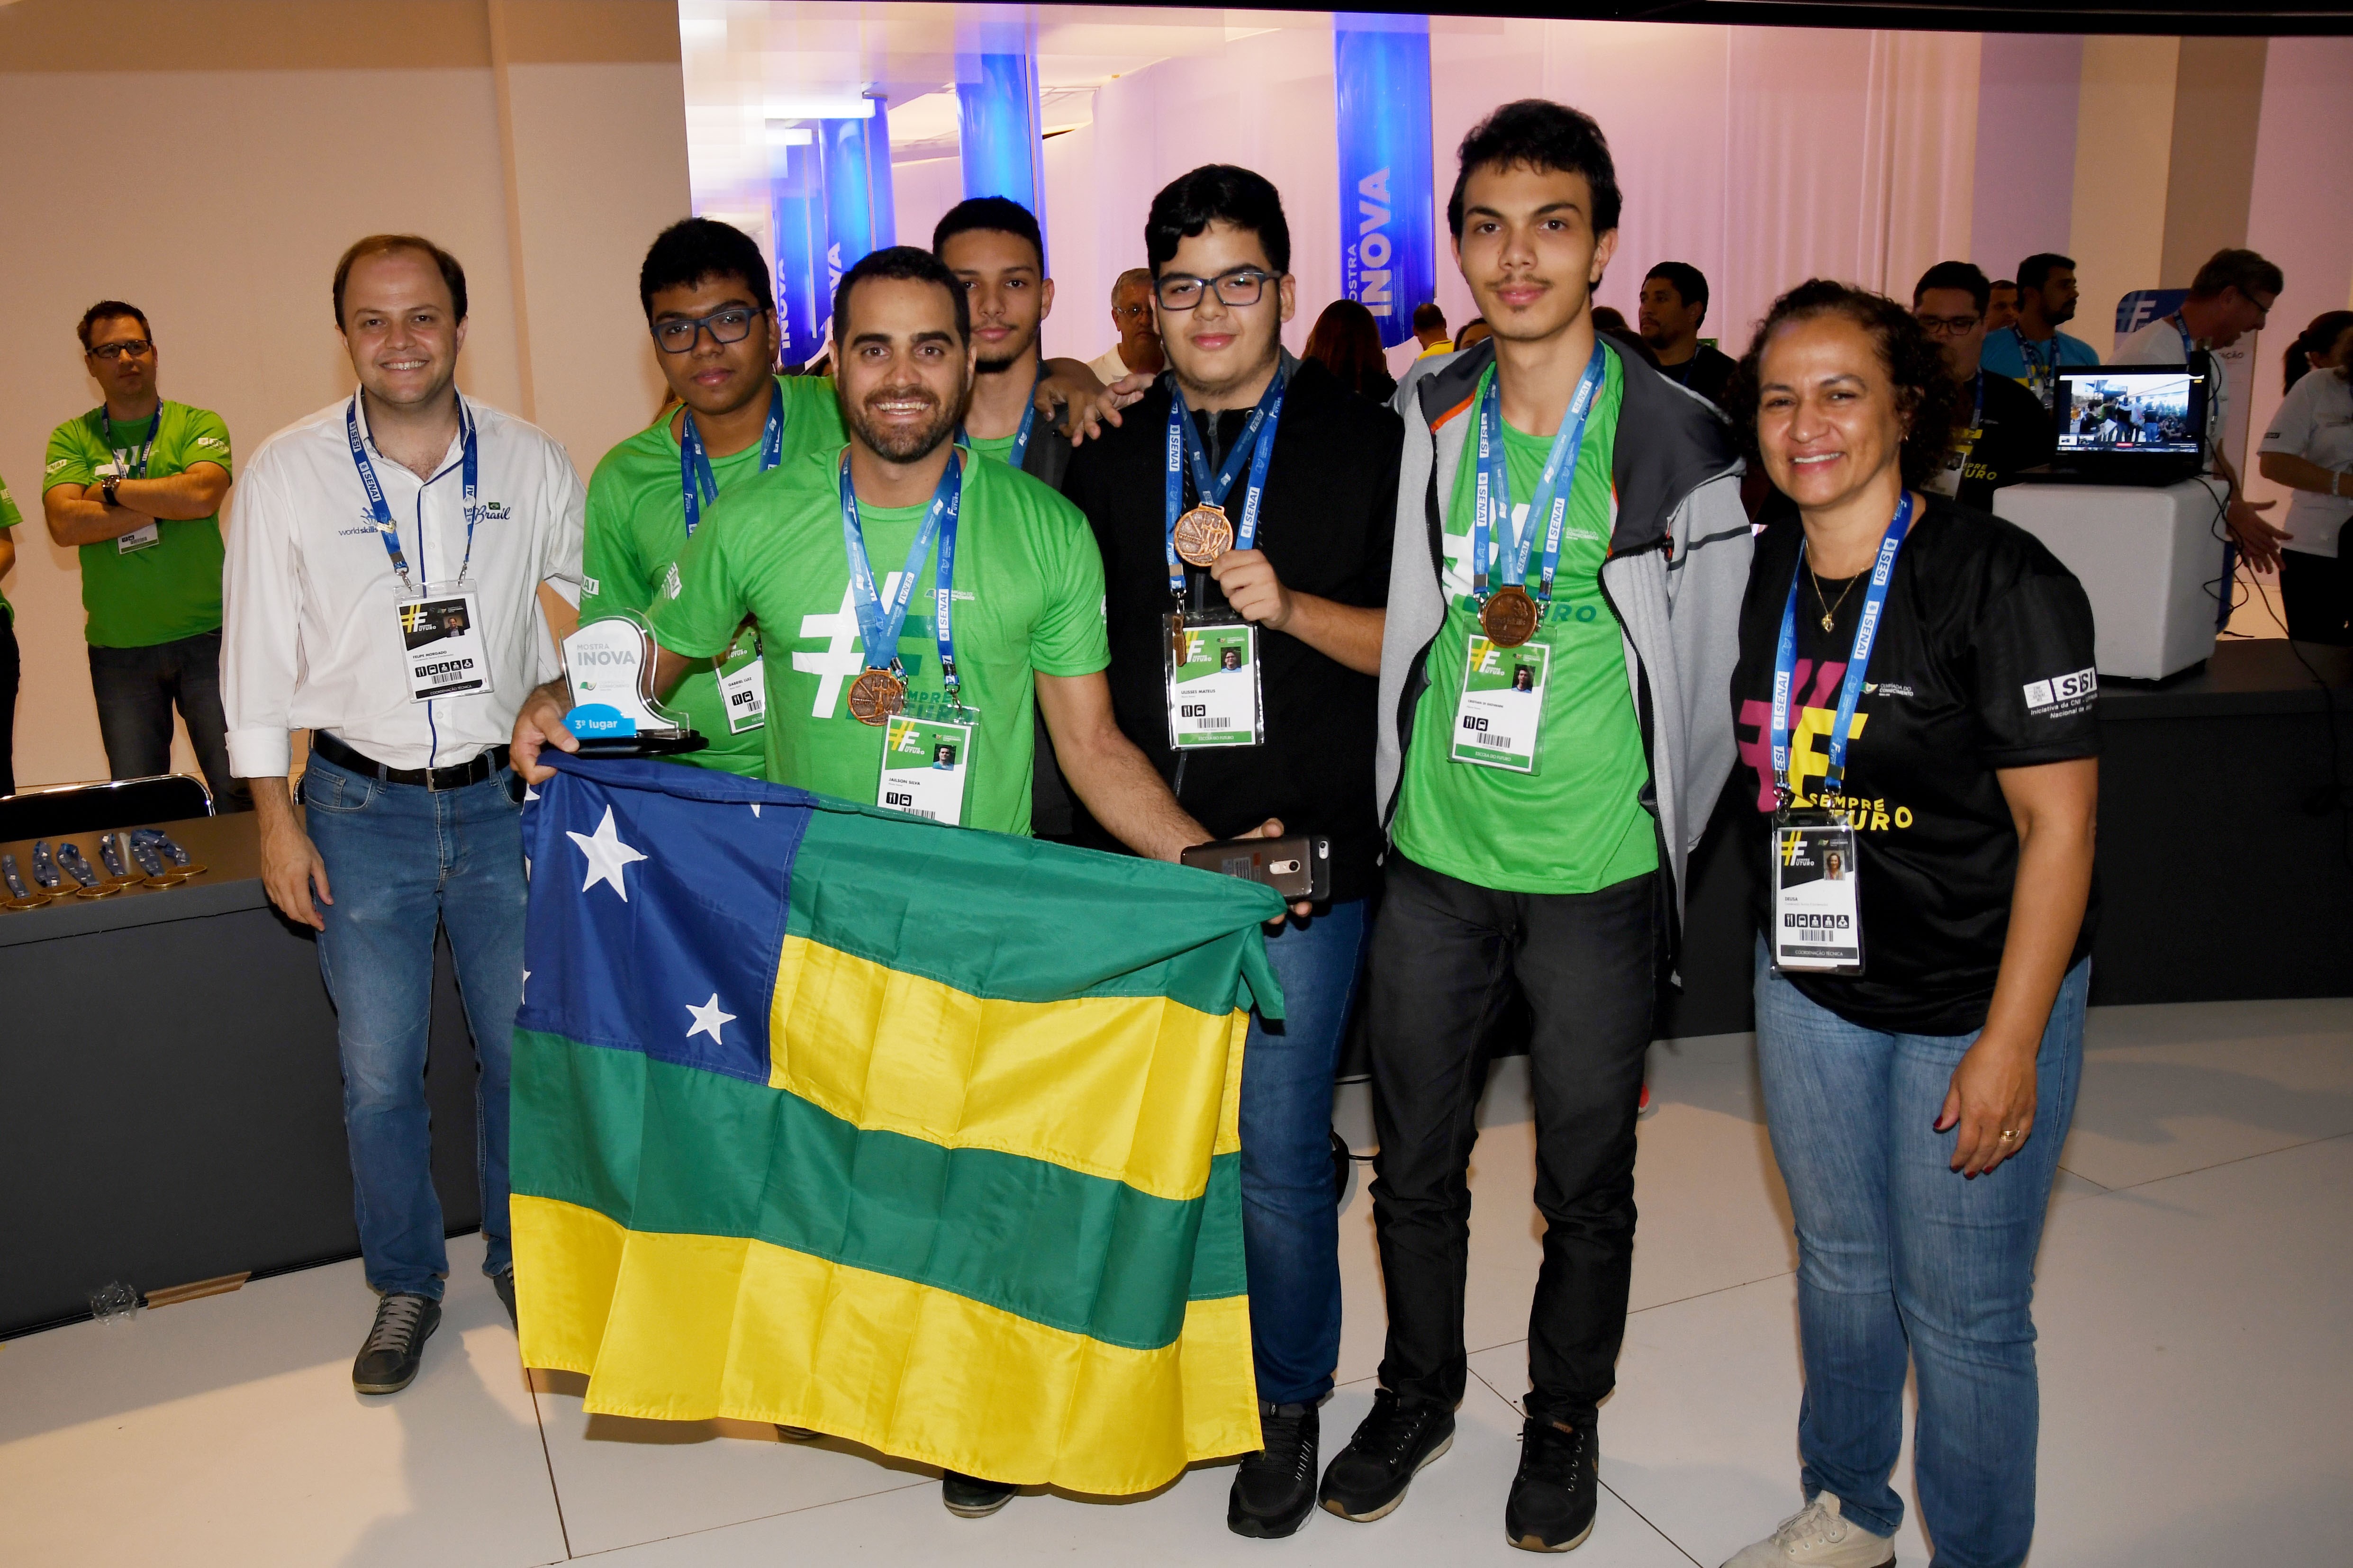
[[1819, 1536]]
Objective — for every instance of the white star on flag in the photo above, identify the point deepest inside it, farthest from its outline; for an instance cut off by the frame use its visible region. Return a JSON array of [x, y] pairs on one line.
[[606, 854], [755, 807], [708, 1019]]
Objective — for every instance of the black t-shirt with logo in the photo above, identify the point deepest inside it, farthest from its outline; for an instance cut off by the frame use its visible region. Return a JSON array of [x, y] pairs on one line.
[[1329, 513], [1983, 661], [2015, 432]]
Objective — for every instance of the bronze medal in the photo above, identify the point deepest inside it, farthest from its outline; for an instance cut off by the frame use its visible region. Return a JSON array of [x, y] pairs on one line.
[[1203, 534], [1509, 617], [876, 695]]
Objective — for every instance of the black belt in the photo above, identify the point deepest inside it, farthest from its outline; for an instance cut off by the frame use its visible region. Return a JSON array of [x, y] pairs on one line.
[[457, 776]]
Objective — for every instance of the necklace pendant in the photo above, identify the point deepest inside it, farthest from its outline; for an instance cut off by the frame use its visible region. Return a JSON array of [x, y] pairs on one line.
[[1828, 623]]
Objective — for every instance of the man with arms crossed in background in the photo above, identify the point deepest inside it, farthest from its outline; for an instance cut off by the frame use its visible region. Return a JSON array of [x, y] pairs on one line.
[[1293, 613], [136, 484], [383, 593], [704, 288], [1538, 836], [1137, 353]]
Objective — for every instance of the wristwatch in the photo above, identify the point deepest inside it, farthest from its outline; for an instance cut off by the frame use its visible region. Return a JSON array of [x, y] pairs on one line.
[[106, 487]]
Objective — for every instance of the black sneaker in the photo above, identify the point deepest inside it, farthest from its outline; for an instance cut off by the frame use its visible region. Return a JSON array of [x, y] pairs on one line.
[[504, 1285], [1369, 1478], [395, 1344], [969, 1496], [1276, 1489], [1553, 1494]]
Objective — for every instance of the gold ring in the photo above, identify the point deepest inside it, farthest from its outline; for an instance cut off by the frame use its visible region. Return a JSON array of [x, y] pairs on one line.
[[2008, 1134]]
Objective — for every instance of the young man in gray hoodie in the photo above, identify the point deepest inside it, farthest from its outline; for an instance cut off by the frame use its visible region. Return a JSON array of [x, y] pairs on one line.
[[1570, 557]]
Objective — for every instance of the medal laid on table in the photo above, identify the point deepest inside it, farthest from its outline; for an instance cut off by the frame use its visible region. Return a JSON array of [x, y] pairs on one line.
[[881, 690], [1501, 544], [1199, 535], [1815, 870]]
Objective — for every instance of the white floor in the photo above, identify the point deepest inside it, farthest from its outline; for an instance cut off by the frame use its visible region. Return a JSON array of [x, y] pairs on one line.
[[2197, 1351]]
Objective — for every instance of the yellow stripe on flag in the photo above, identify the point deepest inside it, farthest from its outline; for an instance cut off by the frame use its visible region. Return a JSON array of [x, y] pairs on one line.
[[688, 1328], [1066, 1082]]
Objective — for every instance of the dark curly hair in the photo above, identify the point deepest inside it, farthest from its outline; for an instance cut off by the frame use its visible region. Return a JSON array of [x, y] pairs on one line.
[[1930, 401]]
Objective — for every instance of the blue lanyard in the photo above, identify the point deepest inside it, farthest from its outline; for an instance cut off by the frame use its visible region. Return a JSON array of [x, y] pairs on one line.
[[1256, 443], [123, 454], [469, 478], [1492, 510], [694, 473], [1976, 406], [1866, 632], [1018, 452], [878, 624]]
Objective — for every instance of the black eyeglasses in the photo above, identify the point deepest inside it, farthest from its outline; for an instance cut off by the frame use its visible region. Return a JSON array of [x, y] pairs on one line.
[[1948, 326], [1182, 291], [128, 348], [732, 325]]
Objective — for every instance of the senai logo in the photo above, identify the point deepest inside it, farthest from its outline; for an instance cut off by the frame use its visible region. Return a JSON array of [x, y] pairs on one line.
[[1373, 249]]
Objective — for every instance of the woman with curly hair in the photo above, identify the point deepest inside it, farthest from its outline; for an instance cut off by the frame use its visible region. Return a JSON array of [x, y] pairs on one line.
[[1917, 680]]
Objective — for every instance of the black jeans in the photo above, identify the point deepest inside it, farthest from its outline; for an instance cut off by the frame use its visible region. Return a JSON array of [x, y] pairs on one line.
[[8, 679], [1446, 956], [136, 688], [2316, 593]]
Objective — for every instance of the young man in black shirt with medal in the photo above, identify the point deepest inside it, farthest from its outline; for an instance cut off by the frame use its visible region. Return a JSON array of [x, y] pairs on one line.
[[1539, 826], [1244, 509], [2008, 429]]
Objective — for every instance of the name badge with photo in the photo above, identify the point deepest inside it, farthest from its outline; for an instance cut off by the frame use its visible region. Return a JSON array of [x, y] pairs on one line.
[[1816, 920], [1213, 696], [442, 644], [745, 692], [1500, 716], [147, 533], [925, 764]]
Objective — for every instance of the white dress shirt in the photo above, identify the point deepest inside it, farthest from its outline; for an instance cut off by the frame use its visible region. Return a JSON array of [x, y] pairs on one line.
[[310, 635]]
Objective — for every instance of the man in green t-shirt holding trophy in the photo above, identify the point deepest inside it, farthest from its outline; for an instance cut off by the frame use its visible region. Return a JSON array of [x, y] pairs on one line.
[[136, 486]]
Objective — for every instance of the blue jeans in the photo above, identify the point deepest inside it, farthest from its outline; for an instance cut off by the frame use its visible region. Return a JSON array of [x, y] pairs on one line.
[[135, 689], [1901, 1258], [401, 861], [1291, 1214]]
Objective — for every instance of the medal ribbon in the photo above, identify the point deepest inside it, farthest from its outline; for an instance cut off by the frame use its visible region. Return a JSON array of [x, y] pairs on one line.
[[1492, 508], [694, 473], [123, 454], [1255, 444], [878, 624], [469, 478], [1866, 632]]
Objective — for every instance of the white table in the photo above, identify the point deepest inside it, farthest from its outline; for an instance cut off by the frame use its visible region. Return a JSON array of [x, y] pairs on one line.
[[2147, 558]]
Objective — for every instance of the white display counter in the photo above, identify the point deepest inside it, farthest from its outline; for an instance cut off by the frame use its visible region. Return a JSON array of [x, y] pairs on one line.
[[2147, 558]]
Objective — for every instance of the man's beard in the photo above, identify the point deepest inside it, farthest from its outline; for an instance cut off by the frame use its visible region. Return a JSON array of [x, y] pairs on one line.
[[986, 366], [902, 444], [2064, 314]]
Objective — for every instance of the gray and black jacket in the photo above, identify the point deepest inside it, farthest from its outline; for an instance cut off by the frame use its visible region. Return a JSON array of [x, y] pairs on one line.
[[1677, 568]]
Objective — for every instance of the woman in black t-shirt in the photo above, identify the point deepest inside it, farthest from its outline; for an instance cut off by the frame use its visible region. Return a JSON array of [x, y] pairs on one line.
[[1916, 1107]]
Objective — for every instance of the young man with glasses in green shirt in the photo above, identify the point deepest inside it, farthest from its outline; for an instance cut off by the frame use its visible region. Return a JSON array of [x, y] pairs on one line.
[[136, 485]]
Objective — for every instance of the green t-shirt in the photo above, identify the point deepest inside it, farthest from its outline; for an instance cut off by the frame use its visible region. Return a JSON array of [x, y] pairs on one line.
[[9, 518], [997, 447], [1029, 598], [167, 589], [1577, 824], [637, 526]]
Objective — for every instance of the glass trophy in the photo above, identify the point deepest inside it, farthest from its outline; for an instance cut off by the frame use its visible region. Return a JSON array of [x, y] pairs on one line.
[[610, 661]]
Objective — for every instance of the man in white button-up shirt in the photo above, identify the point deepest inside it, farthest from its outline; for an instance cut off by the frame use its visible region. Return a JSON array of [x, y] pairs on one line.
[[382, 592]]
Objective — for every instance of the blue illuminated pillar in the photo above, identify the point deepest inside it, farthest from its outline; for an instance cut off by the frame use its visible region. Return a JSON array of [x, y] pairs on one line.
[[1388, 263], [796, 212], [857, 213], [997, 116]]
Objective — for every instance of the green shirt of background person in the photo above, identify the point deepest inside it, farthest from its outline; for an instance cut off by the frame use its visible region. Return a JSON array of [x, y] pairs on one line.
[[705, 286], [151, 548]]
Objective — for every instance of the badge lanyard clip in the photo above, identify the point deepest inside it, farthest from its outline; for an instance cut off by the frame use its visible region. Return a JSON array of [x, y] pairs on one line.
[[1491, 511], [1866, 633], [878, 624]]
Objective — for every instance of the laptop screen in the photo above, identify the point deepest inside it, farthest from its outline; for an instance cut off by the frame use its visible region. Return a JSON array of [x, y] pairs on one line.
[[2131, 411]]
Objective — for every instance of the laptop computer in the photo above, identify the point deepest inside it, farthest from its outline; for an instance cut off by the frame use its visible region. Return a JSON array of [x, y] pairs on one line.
[[2128, 424]]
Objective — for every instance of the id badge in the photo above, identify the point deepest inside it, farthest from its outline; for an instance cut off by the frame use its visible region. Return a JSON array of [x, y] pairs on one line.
[[1817, 920], [442, 644], [1500, 715], [926, 764], [1213, 694], [140, 538], [745, 692]]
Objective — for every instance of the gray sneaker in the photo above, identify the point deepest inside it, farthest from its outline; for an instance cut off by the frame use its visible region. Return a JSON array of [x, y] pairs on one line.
[[387, 1362], [1819, 1536]]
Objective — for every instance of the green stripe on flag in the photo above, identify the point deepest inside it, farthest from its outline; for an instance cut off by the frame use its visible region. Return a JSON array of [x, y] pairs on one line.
[[662, 1148]]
